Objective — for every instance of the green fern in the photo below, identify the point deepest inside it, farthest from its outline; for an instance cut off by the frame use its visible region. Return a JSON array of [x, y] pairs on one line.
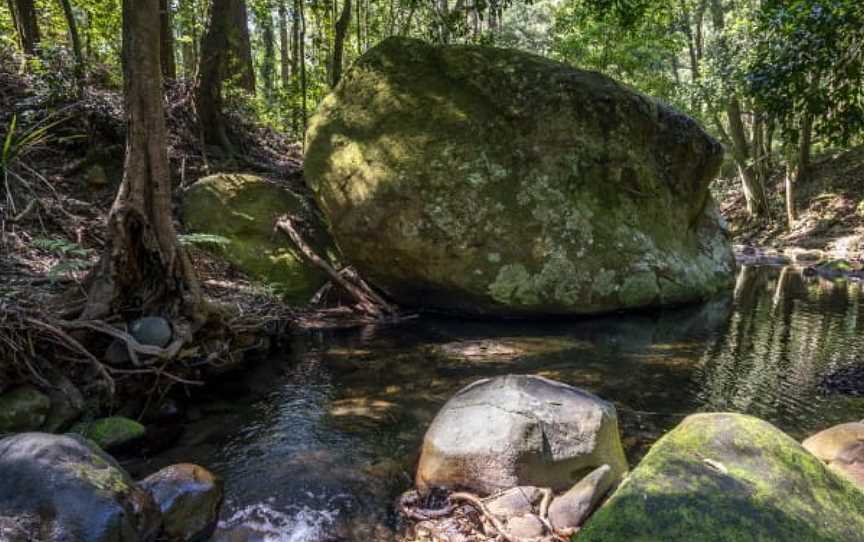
[[74, 257], [203, 240]]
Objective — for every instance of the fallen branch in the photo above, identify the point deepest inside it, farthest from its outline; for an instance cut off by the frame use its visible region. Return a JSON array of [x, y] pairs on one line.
[[369, 301], [478, 503]]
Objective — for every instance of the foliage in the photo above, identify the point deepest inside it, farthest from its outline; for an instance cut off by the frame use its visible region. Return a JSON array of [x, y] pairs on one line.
[[73, 258], [809, 57]]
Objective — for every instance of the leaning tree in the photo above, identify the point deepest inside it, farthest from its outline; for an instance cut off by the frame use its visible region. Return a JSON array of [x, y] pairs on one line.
[[143, 270]]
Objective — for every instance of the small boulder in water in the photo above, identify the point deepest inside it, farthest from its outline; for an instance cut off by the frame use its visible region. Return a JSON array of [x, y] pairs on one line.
[[63, 488], [519, 430], [190, 498]]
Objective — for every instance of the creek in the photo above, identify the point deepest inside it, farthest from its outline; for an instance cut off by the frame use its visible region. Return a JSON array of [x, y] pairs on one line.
[[316, 443]]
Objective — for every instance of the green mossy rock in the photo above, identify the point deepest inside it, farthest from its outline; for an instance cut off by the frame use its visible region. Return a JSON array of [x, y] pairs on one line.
[[495, 182], [22, 409], [729, 478], [242, 209], [110, 433]]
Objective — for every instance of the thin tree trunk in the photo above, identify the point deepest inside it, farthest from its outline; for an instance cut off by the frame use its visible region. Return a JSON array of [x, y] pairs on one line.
[[341, 31], [295, 64], [284, 48], [268, 67], [143, 270], [73, 37], [753, 185], [24, 13], [166, 40], [302, 60]]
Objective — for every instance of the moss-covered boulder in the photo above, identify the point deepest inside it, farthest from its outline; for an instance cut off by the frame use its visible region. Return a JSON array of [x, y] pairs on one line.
[[496, 182], [23, 409], [242, 209], [729, 478], [111, 433]]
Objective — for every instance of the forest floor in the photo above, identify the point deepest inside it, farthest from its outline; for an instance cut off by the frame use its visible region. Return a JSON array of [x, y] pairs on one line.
[[59, 173], [830, 206]]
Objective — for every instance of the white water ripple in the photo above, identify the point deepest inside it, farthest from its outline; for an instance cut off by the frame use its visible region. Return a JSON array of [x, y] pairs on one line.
[[263, 523]]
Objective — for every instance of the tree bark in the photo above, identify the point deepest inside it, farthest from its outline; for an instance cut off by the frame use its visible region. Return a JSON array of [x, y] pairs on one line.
[[166, 38], [301, 44], [73, 37], [268, 66], [284, 48], [225, 54], [752, 184], [24, 13], [143, 270], [341, 31], [295, 64]]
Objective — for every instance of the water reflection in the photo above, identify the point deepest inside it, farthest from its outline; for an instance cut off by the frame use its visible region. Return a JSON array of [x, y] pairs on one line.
[[787, 334], [319, 441]]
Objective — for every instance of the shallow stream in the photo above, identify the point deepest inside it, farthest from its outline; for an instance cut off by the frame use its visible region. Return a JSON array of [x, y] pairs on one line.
[[316, 444]]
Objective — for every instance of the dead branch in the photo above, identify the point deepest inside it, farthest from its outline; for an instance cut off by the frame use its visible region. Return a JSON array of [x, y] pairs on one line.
[[369, 301], [478, 503], [133, 347]]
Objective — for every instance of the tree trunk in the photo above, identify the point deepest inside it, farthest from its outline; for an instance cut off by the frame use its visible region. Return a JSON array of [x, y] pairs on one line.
[[268, 66], [143, 270], [752, 184], [295, 64], [301, 43], [797, 166], [284, 48], [225, 54], [166, 40], [73, 37], [24, 13], [341, 31]]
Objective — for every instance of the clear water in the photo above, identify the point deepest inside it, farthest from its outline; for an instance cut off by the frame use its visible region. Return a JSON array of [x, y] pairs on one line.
[[315, 445]]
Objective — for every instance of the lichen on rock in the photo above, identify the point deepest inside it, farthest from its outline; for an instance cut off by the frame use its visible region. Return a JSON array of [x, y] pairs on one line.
[[495, 182]]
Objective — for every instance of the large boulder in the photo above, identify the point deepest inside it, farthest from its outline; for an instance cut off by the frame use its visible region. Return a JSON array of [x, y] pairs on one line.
[[728, 478], [496, 182], [242, 209], [519, 430], [64, 488]]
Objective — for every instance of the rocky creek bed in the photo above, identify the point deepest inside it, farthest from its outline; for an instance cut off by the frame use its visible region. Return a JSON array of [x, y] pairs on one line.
[[318, 442]]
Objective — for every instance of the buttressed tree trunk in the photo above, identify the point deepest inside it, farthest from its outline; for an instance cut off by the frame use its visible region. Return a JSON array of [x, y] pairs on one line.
[[225, 55], [24, 13], [166, 32], [143, 270]]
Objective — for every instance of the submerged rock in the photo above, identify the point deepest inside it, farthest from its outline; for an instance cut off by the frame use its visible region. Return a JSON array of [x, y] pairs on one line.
[[23, 409], [519, 430], [111, 433], [842, 448], [729, 477], [242, 209], [190, 498], [63, 488], [495, 182]]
